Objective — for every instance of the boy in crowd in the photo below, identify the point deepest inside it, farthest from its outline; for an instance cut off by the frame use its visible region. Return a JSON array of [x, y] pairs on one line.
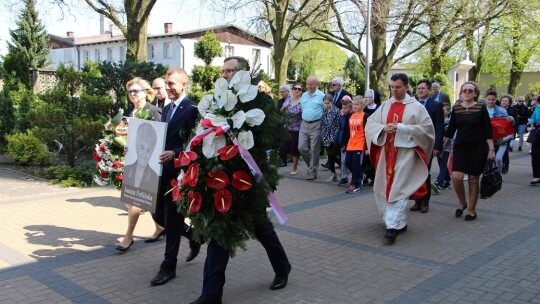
[[356, 144], [443, 179], [342, 137]]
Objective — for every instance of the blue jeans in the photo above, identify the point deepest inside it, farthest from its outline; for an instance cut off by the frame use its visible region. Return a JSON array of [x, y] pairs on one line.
[[520, 131]]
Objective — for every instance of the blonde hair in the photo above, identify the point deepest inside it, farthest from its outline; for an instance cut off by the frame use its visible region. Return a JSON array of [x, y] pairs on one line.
[[150, 94]]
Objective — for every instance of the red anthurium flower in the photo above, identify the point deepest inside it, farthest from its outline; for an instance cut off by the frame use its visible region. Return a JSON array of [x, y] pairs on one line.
[[102, 148], [223, 200], [96, 156], [218, 180], [220, 131], [176, 194], [228, 152], [192, 175], [103, 174], [196, 141], [120, 177], [117, 164], [186, 158], [241, 181], [194, 201]]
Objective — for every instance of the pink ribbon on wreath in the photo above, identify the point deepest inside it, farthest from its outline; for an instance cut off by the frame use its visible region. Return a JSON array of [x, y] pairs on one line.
[[246, 156]]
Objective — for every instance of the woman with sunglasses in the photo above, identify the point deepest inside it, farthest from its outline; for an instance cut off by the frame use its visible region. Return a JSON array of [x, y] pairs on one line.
[[472, 147], [293, 114], [140, 93]]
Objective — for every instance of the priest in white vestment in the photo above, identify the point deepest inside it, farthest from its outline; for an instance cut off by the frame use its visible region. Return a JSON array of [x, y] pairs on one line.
[[400, 137]]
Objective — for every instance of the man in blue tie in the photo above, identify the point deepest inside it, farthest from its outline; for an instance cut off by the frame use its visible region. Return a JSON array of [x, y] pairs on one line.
[[436, 113], [338, 92]]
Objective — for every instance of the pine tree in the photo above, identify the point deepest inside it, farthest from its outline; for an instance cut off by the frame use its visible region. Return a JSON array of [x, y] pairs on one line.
[[28, 47]]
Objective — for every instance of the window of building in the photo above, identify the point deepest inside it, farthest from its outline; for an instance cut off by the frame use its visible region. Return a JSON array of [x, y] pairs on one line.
[[109, 55], [229, 51], [167, 50], [151, 52], [86, 55], [122, 53], [256, 57], [97, 55]]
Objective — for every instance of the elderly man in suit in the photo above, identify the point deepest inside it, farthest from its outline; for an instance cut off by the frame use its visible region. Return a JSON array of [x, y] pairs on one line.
[[438, 96], [436, 113], [181, 115], [338, 92]]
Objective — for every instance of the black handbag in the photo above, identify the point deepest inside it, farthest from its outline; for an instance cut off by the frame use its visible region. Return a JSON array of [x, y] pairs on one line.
[[533, 136], [491, 180]]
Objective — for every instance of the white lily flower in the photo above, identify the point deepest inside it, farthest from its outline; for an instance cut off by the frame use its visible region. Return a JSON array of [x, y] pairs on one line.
[[246, 139], [217, 120], [204, 104], [228, 100], [255, 117], [212, 143], [240, 78], [238, 119], [247, 93], [220, 87]]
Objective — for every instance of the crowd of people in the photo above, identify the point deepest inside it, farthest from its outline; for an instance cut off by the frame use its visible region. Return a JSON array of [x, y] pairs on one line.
[[371, 143]]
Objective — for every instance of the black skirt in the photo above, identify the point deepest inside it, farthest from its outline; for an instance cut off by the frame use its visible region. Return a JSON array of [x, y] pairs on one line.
[[470, 159]]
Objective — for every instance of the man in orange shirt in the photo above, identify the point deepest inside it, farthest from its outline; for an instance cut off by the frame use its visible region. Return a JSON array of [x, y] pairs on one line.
[[356, 145]]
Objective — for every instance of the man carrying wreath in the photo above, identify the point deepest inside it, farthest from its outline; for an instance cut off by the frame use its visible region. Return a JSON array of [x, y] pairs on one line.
[[263, 229]]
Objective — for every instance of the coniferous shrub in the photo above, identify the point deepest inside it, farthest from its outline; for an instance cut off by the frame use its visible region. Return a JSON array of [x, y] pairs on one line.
[[25, 148]]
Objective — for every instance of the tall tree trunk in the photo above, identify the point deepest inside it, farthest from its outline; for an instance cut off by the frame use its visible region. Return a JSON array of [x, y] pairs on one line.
[[281, 58], [434, 50], [380, 63]]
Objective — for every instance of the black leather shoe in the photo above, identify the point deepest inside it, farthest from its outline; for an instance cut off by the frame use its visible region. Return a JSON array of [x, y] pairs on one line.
[[469, 217], [205, 300], [424, 207], [122, 248], [163, 277], [152, 240], [280, 280], [391, 235], [416, 206], [195, 248], [459, 212]]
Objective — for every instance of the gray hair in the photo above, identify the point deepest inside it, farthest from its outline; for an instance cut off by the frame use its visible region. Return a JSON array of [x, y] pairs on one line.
[[338, 80], [285, 87], [435, 85]]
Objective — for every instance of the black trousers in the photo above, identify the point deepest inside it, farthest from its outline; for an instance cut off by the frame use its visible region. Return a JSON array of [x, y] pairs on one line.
[[217, 258], [167, 216], [535, 159]]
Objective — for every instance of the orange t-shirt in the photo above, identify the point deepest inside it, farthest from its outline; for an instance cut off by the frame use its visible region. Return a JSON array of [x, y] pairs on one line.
[[357, 139]]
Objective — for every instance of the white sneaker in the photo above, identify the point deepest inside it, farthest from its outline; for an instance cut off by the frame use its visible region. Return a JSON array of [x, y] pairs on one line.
[[332, 178]]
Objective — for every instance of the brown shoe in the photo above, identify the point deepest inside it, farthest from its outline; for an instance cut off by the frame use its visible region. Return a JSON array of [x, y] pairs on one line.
[[311, 176], [424, 207], [416, 206]]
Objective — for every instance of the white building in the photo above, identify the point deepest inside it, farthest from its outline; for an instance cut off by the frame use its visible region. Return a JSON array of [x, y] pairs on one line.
[[175, 49]]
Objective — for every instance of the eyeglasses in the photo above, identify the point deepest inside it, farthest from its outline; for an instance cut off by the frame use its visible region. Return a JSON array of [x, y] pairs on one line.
[[157, 88], [136, 91], [228, 71], [334, 84], [467, 91], [297, 89], [520, 100]]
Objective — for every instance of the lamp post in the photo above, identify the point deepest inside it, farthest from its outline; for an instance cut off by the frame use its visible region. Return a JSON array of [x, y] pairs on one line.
[[368, 33]]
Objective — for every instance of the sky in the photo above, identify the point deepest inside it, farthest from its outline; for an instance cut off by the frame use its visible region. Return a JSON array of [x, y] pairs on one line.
[[184, 14]]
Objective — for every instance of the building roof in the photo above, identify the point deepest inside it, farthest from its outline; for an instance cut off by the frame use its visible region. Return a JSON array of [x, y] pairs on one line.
[[71, 41]]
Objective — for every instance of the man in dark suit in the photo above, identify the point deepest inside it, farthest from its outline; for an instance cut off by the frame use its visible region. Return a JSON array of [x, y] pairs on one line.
[[435, 111], [217, 257], [180, 115], [338, 92], [438, 96]]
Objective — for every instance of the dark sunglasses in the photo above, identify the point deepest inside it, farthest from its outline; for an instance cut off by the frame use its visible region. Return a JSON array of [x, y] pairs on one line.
[[130, 92], [467, 91], [297, 89]]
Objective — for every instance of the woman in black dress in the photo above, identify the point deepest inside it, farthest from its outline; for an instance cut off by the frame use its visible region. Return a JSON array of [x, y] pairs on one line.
[[472, 147]]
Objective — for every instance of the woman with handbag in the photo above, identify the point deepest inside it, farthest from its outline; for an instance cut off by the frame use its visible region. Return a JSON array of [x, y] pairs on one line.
[[534, 139], [472, 147], [496, 111]]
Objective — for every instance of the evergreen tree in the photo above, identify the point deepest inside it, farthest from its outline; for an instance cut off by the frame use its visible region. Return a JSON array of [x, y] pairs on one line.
[[7, 118], [28, 47], [208, 47]]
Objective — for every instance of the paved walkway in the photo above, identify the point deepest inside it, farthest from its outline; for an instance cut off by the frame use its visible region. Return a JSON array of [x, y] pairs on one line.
[[56, 246]]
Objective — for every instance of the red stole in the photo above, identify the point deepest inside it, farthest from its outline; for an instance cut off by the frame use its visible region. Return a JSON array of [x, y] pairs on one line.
[[395, 115]]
